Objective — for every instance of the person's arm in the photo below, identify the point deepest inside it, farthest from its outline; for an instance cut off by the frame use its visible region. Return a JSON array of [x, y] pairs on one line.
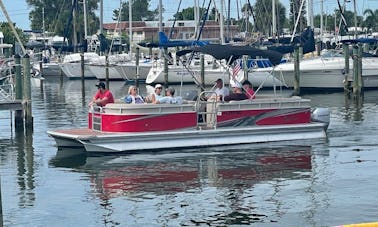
[[94, 99], [128, 99], [153, 98]]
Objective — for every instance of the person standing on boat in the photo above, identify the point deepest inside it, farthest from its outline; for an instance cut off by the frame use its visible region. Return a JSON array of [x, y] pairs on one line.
[[103, 95], [220, 90], [169, 97], [248, 88], [237, 93], [133, 97]]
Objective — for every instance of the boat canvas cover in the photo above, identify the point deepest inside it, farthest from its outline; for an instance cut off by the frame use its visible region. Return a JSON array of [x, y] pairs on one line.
[[231, 53]]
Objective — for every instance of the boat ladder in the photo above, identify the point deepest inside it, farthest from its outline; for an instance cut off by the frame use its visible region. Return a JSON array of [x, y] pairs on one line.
[[206, 108], [97, 118]]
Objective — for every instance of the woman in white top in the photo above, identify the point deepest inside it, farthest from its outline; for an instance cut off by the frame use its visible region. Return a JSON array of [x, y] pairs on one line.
[[133, 97]]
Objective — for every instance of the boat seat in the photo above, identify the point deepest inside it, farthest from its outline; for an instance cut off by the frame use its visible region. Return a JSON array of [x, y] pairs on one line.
[[148, 108]]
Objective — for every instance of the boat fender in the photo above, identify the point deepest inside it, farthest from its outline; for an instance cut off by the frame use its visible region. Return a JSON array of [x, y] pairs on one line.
[[321, 114]]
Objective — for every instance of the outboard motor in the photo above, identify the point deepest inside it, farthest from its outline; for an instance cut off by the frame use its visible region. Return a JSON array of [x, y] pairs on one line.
[[322, 115]]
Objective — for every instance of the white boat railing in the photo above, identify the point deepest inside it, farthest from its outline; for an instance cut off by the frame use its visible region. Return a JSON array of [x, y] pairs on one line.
[[7, 92], [96, 118]]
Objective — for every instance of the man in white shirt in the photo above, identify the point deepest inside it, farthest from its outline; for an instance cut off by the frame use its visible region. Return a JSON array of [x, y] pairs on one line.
[[220, 90]]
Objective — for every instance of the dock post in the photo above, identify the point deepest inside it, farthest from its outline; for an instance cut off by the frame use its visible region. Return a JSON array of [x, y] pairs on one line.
[[137, 52], [318, 48], [300, 49], [202, 60], [360, 80], [27, 94], [61, 73], [107, 70], [82, 78], [18, 117], [165, 67], [296, 72], [356, 86], [346, 68], [245, 66]]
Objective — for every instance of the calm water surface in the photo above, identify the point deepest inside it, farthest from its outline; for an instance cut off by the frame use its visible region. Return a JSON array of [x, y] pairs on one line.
[[307, 183]]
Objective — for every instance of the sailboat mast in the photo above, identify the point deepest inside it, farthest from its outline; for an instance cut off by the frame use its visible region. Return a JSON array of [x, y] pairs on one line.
[[355, 19], [85, 19], [274, 19], [221, 22], [101, 15], [321, 20], [130, 26], [310, 14]]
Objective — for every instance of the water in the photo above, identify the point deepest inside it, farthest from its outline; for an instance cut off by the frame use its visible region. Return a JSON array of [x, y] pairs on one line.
[[307, 183]]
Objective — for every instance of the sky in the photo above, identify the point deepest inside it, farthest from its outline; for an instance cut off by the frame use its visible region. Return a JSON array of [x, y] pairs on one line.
[[18, 10]]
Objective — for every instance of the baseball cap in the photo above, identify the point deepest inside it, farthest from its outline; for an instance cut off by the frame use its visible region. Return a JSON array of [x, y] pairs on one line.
[[158, 86], [100, 85]]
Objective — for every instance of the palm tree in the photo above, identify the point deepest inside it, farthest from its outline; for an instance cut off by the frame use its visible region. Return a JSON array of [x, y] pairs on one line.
[[371, 19]]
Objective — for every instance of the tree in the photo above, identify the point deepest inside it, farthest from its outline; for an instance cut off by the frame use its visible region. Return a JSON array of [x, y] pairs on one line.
[[9, 37], [263, 11], [371, 20], [57, 14], [188, 14], [140, 11], [295, 6]]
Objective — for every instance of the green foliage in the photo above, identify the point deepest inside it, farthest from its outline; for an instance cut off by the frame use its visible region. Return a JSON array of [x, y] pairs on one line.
[[329, 21], [57, 14], [294, 12], [188, 14], [140, 11], [9, 36], [371, 20], [263, 15]]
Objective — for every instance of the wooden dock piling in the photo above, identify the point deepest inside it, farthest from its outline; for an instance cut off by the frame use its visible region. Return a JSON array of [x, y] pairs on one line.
[[27, 93], [82, 78], [296, 72], [166, 83], [18, 117], [202, 59], [357, 79], [107, 71], [137, 53], [245, 67]]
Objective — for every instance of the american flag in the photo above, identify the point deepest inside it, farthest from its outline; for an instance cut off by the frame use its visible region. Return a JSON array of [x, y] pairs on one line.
[[237, 67]]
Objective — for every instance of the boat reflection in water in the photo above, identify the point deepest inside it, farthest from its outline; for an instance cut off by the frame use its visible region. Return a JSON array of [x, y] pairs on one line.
[[220, 185]]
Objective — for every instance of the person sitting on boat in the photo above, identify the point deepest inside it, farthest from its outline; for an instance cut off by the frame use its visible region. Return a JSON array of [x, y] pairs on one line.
[[237, 93], [103, 95], [157, 93], [169, 97], [248, 88], [133, 97], [220, 90]]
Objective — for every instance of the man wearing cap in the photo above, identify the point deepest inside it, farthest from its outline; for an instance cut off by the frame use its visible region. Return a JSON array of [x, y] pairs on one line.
[[103, 96], [169, 97], [237, 93], [220, 90]]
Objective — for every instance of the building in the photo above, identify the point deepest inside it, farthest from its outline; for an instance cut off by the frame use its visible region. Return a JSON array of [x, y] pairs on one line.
[[148, 30]]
